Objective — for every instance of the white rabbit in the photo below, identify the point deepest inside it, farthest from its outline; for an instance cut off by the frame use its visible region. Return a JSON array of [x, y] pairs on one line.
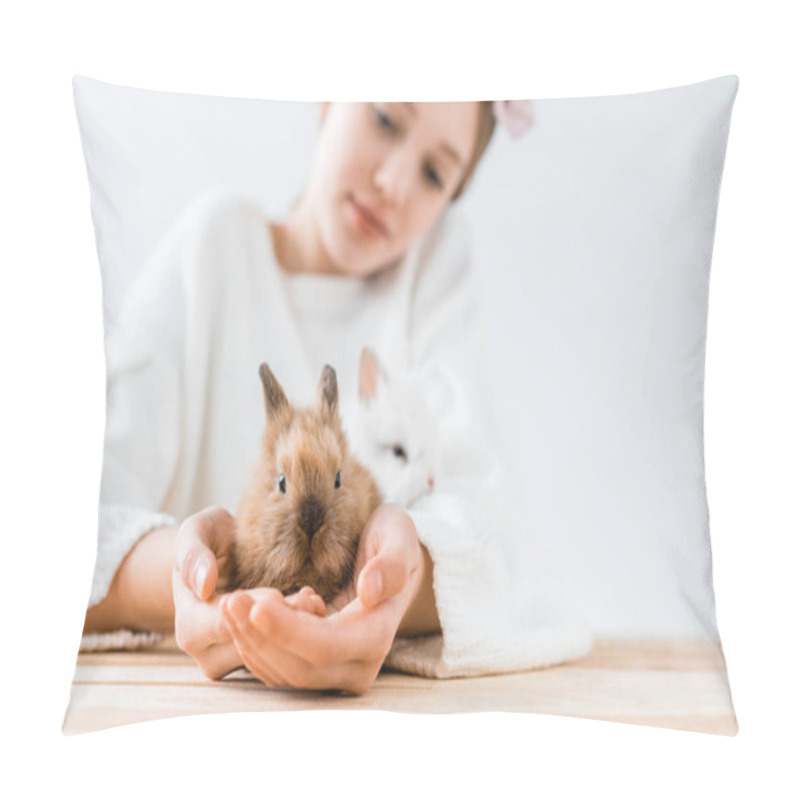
[[392, 428]]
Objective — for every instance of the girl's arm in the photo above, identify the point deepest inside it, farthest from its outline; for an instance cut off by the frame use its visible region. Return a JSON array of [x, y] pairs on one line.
[[422, 616], [166, 583], [140, 594]]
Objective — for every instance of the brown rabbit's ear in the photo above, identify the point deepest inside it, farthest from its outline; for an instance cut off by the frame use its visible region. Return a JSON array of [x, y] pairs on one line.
[[274, 397], [369, 373], [328, 391]]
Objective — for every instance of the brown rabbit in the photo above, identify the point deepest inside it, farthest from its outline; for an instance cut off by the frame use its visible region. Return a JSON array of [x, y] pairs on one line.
[[300, 520]]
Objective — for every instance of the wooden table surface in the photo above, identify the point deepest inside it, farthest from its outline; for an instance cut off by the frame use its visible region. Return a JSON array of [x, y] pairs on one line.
[[665, 683]]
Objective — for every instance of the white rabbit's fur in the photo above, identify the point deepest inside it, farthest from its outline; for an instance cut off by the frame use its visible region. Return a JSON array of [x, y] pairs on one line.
[[396, 411]]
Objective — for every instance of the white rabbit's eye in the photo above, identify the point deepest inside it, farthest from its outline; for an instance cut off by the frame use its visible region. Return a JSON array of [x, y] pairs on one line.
[[282, 483], [400, 452], [338, 482]]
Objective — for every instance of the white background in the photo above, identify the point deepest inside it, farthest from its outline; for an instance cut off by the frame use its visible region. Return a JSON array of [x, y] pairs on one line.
[[51, 424]]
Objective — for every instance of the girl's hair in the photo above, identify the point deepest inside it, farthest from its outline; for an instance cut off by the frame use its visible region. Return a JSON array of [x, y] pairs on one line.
[[486, 123]]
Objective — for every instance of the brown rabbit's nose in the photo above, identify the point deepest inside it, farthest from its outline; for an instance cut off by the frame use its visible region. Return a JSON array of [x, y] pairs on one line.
[[312, 514]]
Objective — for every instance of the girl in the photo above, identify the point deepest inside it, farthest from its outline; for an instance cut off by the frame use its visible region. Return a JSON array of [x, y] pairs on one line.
[[372, 254]]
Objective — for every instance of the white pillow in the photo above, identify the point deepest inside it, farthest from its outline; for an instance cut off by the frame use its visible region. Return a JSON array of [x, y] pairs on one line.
[[592, 235]]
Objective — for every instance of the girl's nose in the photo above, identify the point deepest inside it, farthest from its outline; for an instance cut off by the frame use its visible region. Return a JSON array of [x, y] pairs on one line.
[[393, 176]]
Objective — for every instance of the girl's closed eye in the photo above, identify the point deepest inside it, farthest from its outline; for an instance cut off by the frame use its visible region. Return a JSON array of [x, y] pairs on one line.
[[433, 177], [386, 124], [384, 121]]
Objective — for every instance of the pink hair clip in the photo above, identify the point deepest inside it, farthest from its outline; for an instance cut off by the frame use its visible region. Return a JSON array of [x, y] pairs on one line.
[[516, 115]]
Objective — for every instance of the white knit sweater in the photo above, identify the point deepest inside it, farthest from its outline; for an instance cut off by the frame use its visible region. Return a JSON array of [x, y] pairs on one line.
[[184, 401]]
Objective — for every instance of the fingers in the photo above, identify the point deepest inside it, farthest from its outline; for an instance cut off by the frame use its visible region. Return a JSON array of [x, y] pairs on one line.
[[307, 600], [200, 538], [394, 554], [200, 629], [250, 645], [382, 577], [350, 635], [284, 647], [198, 624], [304, 635], [291, 642], [199, 571], [276, 666], [219, 660]]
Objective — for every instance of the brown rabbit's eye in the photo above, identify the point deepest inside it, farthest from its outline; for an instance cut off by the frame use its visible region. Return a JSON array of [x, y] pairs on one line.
[[338, 482], [282, 483]]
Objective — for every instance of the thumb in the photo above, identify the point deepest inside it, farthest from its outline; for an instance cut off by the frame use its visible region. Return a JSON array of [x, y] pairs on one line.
[[199, 571], [199, 537], [383, 577], [195, 558]]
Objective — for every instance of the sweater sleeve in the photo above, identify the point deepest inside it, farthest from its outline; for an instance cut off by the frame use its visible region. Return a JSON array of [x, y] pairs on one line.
[[142, 433], [498, 607], [143, 415]]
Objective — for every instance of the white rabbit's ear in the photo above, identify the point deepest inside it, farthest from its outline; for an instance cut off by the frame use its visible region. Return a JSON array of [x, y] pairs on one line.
[[370, 375], [440, 392]]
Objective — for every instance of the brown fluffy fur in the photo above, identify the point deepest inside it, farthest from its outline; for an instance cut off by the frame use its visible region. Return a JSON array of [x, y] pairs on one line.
[[308, 446]]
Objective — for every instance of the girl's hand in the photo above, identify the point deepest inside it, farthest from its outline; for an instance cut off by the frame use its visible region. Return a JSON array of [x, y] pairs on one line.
[[202, 546], [283, 645], [201, 552]]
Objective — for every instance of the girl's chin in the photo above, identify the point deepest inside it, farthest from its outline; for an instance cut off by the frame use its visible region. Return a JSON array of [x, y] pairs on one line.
[[353, 258], [354, 254]]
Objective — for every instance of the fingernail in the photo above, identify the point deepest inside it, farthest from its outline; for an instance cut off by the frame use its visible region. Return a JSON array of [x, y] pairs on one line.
[[375, 586], [200, 577]]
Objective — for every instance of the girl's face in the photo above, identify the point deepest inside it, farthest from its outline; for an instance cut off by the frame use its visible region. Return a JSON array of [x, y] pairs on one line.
[[382, 175]]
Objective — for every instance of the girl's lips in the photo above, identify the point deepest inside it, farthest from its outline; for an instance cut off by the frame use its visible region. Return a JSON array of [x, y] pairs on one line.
[[366, 220]]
